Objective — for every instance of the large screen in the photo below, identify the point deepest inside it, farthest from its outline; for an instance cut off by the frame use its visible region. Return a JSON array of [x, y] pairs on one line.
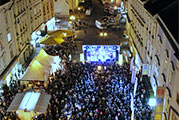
[[101, 53]]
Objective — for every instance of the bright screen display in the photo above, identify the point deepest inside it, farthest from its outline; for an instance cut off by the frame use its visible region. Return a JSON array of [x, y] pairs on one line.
[[100, 53]]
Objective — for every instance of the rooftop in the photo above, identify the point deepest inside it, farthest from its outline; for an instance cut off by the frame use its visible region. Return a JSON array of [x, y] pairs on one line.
[[168, 12], [2, 2]]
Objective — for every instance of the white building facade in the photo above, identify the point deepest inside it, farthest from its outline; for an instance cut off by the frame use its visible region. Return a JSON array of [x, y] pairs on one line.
[[150, 41]]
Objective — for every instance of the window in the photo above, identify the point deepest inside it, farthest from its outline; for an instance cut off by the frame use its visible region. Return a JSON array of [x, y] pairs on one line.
[[160, 38], [11, 52], [1, 46], [9, 37], [177, 98], [173, 66], [158, 59], [167, 53]]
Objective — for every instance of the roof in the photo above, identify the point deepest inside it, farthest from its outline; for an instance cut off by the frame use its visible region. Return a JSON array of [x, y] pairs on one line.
[[155, 6], [2, 2], [169, 16], [168, 12], [30, 101]]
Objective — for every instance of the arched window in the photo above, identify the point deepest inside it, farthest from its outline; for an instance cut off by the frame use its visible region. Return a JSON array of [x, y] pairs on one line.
[[167, 53], [157, 59], [173, 66], [164, 78]]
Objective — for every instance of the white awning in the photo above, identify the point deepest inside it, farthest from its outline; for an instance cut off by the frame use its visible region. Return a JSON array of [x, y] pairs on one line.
[[30, 101]]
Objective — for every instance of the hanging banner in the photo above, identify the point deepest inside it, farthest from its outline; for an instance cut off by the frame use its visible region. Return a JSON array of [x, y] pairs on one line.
[[145, 69], [135, 86], [159, 106], [133, 75], [132, 63]]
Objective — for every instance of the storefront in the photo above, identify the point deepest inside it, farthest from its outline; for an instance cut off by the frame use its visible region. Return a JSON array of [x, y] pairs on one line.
[[17, 68]]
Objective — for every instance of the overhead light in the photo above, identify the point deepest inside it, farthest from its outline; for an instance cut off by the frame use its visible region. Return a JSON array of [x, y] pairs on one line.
[[99, 68], [115, 7], [152, 102]]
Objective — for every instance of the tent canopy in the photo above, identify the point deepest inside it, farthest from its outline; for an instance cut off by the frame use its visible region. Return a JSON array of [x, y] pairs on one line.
[[52, 40], [44, 58], [30, 101], [36, 71], [60, 33]]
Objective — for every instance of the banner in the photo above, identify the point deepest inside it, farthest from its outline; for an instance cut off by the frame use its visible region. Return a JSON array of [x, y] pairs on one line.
[[132, 63], [133, 75], [135, 86], [145, 69], [159, 106]]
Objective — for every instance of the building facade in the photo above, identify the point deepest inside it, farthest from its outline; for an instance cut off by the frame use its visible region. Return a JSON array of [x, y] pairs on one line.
[[20, 18], [61, 8], [48, 10], [150, 44], [7, 41]]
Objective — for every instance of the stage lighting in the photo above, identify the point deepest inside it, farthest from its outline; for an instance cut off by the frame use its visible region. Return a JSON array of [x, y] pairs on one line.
[[99, 68], [152, 102]]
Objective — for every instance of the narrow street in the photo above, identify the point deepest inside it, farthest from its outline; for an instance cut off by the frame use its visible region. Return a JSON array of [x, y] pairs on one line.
[[89, 35]]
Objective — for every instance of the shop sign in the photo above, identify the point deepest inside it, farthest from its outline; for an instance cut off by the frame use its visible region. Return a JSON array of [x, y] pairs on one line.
[[145, 69]]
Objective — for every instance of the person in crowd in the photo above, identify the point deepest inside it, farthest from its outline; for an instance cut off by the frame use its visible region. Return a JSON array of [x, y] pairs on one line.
[[80, 91]]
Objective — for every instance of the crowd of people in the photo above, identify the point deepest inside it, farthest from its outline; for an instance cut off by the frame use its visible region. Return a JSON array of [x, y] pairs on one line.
[[82, 91], [8, 95]]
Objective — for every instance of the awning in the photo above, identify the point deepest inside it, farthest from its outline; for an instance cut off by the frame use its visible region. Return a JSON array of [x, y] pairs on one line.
[[52, 40], [60, 33], [36, 71], [45, 59], [30, 101]]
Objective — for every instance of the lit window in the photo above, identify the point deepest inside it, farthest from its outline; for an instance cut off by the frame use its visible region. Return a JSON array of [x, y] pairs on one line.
[[9, 37]]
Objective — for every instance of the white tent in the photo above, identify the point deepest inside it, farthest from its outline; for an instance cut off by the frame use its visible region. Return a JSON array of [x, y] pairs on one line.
[[29, 103], [44, 58], [48, 60], [36, 71]]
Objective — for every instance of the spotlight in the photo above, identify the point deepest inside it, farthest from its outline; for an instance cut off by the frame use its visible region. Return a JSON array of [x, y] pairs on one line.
[[99, 68]]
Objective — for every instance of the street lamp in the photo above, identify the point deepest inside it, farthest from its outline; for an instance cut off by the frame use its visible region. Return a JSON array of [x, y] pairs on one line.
[[64, 34], [103, 34]]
